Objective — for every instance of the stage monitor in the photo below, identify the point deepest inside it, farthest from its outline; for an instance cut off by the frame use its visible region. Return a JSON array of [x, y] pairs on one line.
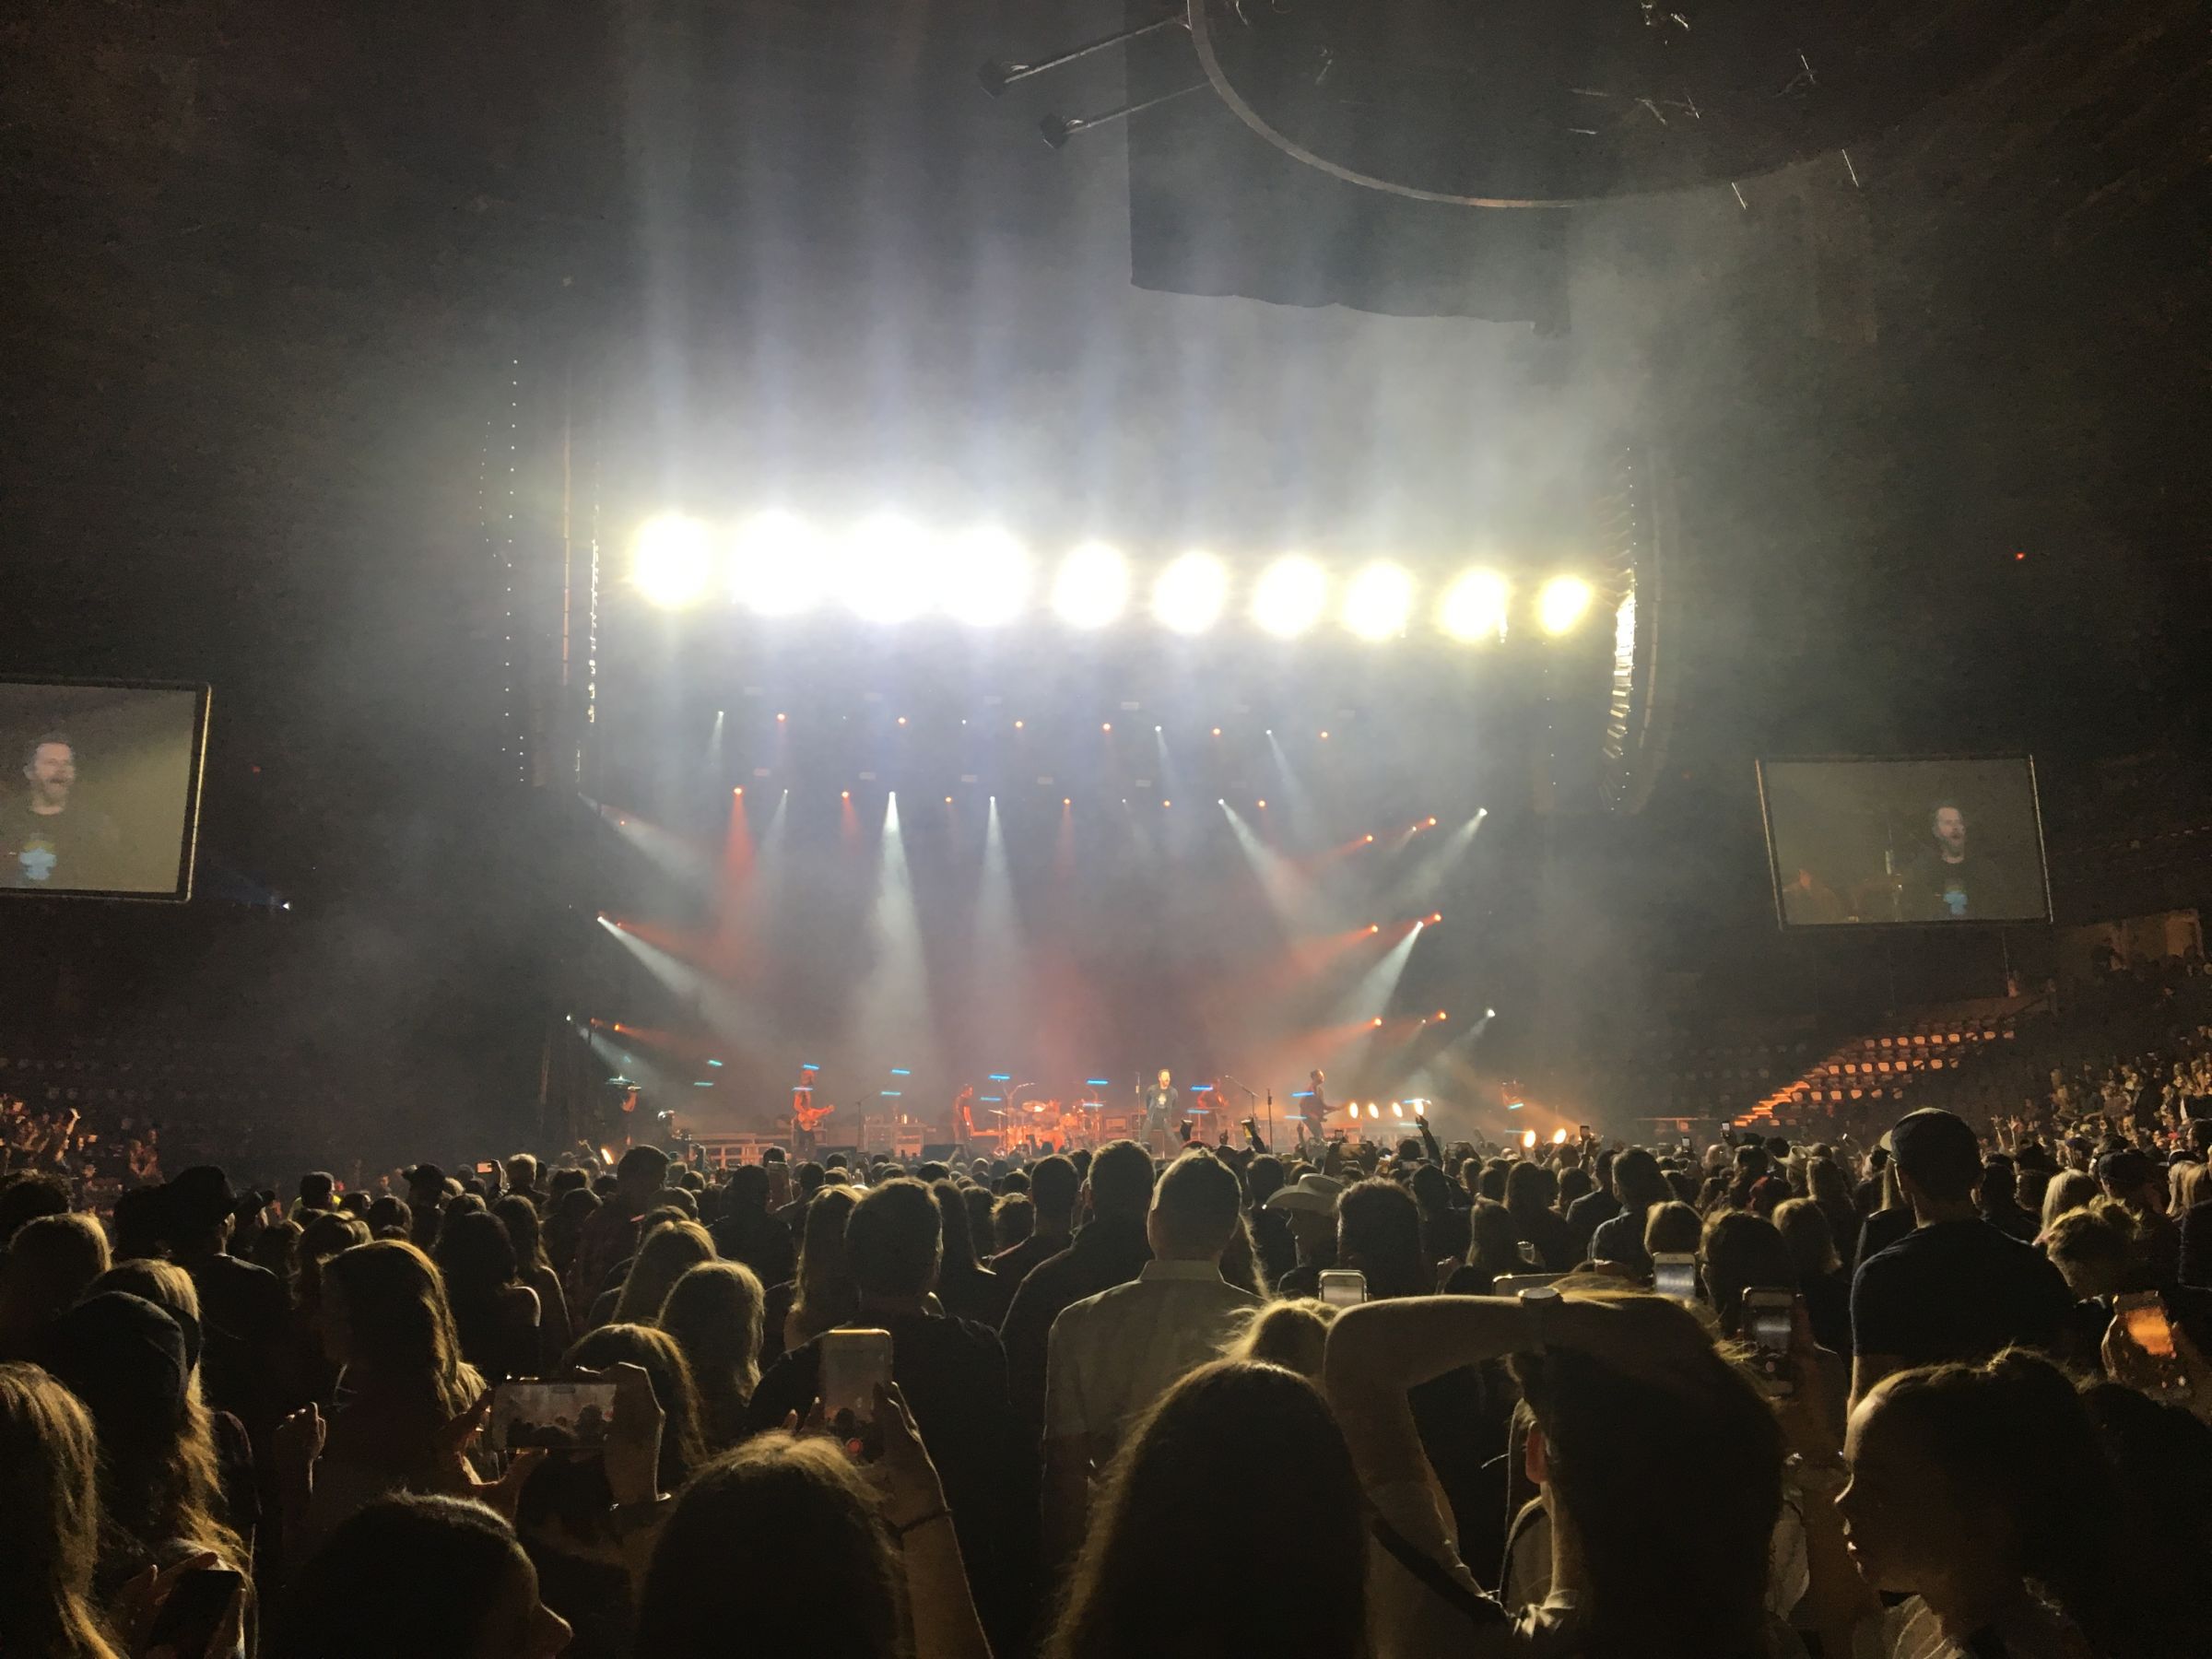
[[100, 788], [1860, 841]]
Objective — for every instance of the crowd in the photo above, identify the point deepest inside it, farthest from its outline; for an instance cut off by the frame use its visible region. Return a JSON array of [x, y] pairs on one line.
[[1941, 1395]]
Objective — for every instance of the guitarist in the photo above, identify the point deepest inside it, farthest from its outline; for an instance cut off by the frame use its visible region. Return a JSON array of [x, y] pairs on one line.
[[805, 1114]]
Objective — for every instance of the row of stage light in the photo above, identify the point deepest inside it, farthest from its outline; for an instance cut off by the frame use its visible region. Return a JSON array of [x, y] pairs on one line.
[[886, 571]]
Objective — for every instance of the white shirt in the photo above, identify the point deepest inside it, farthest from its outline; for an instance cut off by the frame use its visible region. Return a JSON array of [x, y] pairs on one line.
[[1114, 1354]]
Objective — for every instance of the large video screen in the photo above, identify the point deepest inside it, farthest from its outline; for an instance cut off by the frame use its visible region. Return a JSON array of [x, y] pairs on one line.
[[1859, 842], [100, 788]]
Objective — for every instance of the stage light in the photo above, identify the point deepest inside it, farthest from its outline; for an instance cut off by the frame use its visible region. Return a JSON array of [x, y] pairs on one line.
[[1289, 597], [1017, 726], [1217, 731], [1474, 607], [739, 790], [1489, 1013], [1156, 731], [1188, 597], [1374, 927], [1378, 602], [671, 560], [1324, 737], [848, 794], [1563, 603], [1377, 1019], [948, 800], [781, 718], [1396, 1110], [1093, 587], [986, 578], [1528, 1139], [887, 572], [1435, 916], [1431, 823], [777, 565], [1066, 801], [1263, 805], [1106, 726], [1367, 841], [1559, 1137], [902, 720]]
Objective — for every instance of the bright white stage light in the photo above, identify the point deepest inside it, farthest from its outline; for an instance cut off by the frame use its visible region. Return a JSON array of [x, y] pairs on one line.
[[1290, 597], [672, 561], [779, 565], [985, 575], [888, 573], [1378, 602], [1563, 603], [1093, 587], [1188, 598], [1474, 607]]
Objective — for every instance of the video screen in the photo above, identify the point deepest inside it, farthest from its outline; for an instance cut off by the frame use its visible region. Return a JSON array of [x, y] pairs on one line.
[[100, 788], [1869, 841]]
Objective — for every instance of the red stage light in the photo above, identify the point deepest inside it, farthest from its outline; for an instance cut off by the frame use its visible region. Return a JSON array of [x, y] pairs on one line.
[[1436, 916], [848, 794], [739, 790]]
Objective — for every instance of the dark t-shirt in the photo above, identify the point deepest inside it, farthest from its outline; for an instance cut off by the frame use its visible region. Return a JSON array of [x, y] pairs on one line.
[[1589, 1212], [1957, 1290], [1105, 1254], [1976, 887], [759, 1241], [953, 1373], [74, 848]]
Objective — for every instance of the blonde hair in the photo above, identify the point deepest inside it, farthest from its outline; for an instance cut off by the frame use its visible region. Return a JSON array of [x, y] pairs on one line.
[[713, 1311], [1291, 1334], [668, 1251], [50, 1525], [396, 1310]]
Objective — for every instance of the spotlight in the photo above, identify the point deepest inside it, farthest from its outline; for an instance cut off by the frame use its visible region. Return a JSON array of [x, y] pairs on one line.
[[1378, 601], [1189, 594], [948, 800], [1067, 801], [1377, 1019], [739, 790], [777, 565], [1474, 607], [781, 718], [1374, 927], [1106, 726], [1093, 587], [1431, 823], [887, 572], [902, 720], [1528, 1139], [1289, 597], [1167, 803], [1217, 731], [1435, 916], [1563, 603], [1366, 840], [1489, 1013], [1559, 1137], [986, 578], [1018, 726], [1442, 1016], [670, 560], [1324, 737], [848, 794], [1263, 805], [1396, 1110], [1155, 731]]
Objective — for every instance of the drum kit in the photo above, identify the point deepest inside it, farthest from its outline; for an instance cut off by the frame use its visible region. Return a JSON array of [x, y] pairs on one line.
[[1037, 1126]]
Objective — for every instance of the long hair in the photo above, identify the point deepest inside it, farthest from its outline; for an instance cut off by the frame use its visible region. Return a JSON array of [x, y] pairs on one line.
[[2069, 1190], [1493, 1239], [1672, 1489], [1230, 1441], [477, 1260], [826, 1292], [713, 1311], [50, 1524], [525, 1231], [1742, 1252], [2014, 1433], [784, 1536], [955, 1230], [663, 1256], [683, 1448], [401, 1325]]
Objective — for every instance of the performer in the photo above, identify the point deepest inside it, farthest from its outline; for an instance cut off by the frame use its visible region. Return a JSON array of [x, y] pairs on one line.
[[963, 1118], [1161, 1102], [804, 1113], [1317, 1108]]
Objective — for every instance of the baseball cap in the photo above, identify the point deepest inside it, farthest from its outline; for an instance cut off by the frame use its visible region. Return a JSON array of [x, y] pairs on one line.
[[200, 1197], [1938, 1152], [123, 1356]]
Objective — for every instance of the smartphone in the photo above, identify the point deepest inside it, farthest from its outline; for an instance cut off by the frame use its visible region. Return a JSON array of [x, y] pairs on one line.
[[1343, 1287], [196, 1609], [1675, 1273], [1529, 1254], [567, 1420], [854, 1363], [2143, 1317], [1771, 1323], [485, 1169]]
